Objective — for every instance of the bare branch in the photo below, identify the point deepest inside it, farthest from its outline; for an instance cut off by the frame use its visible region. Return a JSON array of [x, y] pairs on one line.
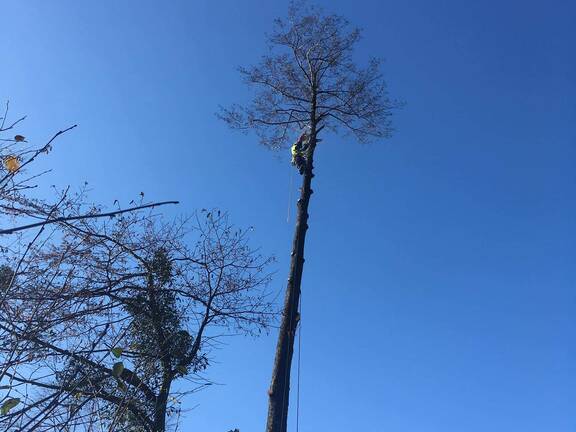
[[86, 216]]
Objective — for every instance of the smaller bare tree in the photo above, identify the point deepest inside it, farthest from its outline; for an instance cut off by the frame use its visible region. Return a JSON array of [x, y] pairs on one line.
[[102, 313], [102, 318]]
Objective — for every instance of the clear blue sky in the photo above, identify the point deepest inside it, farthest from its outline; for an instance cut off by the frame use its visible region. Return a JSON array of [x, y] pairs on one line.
[[439, 289]]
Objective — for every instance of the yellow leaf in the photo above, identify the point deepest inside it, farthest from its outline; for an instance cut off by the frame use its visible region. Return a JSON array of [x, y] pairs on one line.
[[11, 163]]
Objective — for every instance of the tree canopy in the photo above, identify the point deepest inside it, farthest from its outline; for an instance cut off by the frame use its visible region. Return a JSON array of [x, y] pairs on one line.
[[310, 71]]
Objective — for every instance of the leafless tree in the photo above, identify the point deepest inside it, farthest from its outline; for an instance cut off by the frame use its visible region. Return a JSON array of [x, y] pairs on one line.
[[308, 82], [102, 318], [108, 319]]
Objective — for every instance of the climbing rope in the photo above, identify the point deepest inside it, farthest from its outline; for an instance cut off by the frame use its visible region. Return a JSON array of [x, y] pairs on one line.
[[290, 187]]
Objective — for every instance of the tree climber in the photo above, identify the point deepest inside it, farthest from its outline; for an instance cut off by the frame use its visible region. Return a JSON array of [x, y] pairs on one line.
[[299, 152]]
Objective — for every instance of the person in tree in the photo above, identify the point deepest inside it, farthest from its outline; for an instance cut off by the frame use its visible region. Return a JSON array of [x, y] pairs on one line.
[[299, 152]]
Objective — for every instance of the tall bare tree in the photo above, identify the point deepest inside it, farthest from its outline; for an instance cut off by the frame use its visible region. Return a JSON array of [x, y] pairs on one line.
[[308, 82]]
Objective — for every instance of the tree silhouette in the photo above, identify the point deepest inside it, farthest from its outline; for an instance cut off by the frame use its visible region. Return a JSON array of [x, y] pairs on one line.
[[103, 313], [99, 323], [308, 82]]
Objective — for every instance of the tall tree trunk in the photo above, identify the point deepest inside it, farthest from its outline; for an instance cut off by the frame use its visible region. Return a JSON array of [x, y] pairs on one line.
[[280, 388], [162, 405]]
